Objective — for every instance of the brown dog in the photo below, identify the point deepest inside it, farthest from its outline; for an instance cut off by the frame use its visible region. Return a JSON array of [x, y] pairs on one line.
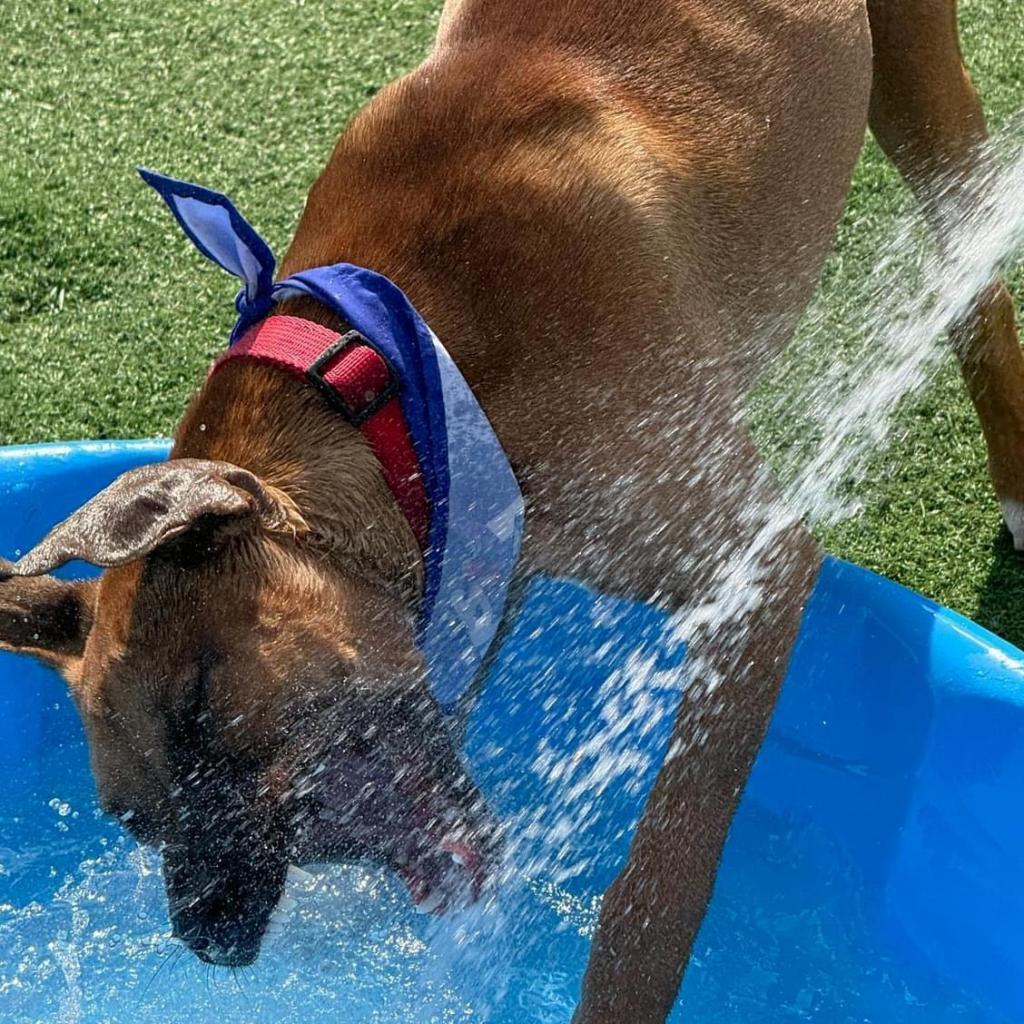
[[598, 206]]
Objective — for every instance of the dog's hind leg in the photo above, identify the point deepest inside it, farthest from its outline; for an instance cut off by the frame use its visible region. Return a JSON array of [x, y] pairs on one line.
[[927, 117]]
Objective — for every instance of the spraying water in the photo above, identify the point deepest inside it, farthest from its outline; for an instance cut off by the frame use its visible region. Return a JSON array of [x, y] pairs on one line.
[[839, 404], [849, 408], [83, 934]]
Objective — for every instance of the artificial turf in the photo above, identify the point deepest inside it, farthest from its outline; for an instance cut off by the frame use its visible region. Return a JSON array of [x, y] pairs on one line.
[[108, 318]]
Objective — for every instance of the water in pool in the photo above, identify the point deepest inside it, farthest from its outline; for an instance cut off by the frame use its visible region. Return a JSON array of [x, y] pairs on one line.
[[84, 937]]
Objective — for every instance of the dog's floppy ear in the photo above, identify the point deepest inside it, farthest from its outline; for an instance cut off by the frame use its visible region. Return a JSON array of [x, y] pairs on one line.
[[149, 506], [45, 617]]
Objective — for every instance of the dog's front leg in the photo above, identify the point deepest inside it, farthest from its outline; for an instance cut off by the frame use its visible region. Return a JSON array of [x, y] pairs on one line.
[[652, 912]]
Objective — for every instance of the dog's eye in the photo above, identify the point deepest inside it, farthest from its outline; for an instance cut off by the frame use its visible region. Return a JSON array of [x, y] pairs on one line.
[[201, 690], [193, 712]]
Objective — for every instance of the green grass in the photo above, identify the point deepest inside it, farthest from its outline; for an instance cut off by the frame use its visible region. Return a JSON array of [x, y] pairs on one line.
[[108, 319]]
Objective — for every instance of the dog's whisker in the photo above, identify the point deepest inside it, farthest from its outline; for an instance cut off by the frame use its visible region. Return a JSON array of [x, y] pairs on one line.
[[159, 967], [179, 955]]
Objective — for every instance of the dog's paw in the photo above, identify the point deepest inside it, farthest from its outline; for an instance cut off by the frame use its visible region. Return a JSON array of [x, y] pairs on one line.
[[1013, 516]]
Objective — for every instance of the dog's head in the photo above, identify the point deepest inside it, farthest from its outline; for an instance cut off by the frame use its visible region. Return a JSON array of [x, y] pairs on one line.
[[247, 704]]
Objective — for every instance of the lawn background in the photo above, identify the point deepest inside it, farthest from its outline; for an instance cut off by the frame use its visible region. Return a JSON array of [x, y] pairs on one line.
[[108, 318]]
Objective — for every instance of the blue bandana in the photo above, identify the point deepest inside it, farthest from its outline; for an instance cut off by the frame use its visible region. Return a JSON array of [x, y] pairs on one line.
[[476, 509]]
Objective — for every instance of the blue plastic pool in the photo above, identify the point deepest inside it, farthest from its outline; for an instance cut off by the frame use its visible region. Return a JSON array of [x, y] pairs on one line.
[[872, 873]]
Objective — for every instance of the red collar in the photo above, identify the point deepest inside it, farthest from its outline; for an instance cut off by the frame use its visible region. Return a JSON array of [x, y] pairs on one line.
[[359, 383]]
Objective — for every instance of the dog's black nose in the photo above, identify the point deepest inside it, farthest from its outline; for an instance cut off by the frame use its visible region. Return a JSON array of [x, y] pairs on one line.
[[221, 946], [211, 952], [220, 893]]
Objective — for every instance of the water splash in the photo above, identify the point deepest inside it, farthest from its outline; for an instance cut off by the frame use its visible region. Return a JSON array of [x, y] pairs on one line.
[[835, 406], [844, 403]]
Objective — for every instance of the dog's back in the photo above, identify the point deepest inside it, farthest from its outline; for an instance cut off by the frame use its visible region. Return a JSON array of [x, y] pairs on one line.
[[607, 212], [686, 162]]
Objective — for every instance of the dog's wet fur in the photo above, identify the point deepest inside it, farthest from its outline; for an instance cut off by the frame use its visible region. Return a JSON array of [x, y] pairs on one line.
[[613, 215], [251, 690]]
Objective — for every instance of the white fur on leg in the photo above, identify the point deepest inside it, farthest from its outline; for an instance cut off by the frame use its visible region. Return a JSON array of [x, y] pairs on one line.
[[1013, 516]]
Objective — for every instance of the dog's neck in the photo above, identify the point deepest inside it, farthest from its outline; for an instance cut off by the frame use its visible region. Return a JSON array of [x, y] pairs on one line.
[[273, 425], [417, 189], [472, 208]]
